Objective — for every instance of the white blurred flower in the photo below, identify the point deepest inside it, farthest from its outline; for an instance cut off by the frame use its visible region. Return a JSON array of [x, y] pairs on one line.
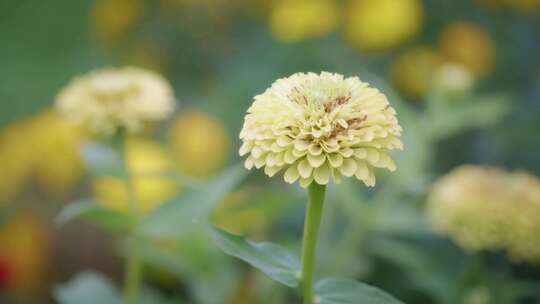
[[320, 127], [454, 78], [108, 99]]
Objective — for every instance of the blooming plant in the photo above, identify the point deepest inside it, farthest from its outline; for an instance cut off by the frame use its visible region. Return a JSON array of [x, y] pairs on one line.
[[315, 128], [113, 104], [489, 209]]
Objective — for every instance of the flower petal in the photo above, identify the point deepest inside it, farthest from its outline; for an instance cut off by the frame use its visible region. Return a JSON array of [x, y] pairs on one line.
[[291, 175], [322, 175], [348, 168], [316, 160], [304, 168]]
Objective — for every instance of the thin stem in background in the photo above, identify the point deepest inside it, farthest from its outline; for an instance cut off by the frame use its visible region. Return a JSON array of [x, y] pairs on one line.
[[311, 230], [133, 270]]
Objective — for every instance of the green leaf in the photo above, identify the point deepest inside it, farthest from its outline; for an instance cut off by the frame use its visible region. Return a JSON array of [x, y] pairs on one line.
[[88, 209], [449, 118], [273, 260], [346, 291], [102, 160], [87, 288], [176, 217]]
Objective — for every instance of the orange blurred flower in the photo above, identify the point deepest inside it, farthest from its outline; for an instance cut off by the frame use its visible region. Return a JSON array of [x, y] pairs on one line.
[[468, 44], [24, 253]]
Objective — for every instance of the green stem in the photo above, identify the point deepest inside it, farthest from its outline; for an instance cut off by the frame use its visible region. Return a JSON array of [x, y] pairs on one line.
[[311, 230], [133, 268], [132, 280]]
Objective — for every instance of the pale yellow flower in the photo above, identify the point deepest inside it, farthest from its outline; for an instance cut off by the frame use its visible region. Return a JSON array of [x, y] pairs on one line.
[[379, 25], [200, 143], [108, 99], [454, 78], [296, 20], [484, 208], [320, 127], [150, 166]]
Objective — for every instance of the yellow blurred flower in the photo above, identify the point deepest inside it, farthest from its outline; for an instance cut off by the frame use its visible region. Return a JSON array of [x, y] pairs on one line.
[[16, 159], [469, 45], [113, 18], [56, 144], [24, 252], [414, 71], [200, 143], [491, 3], [109, 99], [296, 20], [43, 148], [236, 215], [378, 25], [485, 208], [524, 5], [192, 3], [149, 164]]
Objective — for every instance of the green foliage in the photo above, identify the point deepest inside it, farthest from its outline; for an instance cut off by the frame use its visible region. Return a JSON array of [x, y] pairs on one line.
[[275, 261], [345, 291], [179, 216], [94, 212]]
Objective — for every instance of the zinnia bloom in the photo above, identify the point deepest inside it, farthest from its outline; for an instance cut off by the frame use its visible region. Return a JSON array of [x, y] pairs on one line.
[[320, 127], [484, 208], [108, 99]]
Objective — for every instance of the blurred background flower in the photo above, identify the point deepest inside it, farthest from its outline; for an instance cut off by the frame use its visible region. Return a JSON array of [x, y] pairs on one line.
[[151, 166], [380, 25]]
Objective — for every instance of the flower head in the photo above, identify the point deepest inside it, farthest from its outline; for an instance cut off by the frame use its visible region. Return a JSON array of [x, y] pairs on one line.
[[296, 20], [108, 99], [380, 25], [320, 127], [489, 209]]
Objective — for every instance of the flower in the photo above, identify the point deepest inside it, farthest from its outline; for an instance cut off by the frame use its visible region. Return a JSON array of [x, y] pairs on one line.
[[25, 245], [483, 208], [454, 78], [379, 25], [296, 20], [44, 149], [113, 18], [16, 158], [58, 162], [320, 127], [467, 44], [199, 143], [413, 72], [149, 164], [108, 99]]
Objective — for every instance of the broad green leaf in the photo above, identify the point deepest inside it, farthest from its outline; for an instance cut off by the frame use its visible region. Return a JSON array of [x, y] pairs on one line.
[[273, 260], [94, 212], [177, 216], [87, 288], [346, 291]]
